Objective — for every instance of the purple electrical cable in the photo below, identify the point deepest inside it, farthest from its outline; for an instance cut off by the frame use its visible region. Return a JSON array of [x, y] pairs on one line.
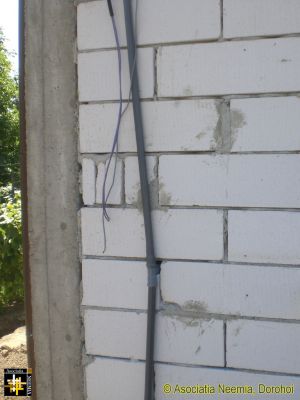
[[114, 150], [121, 112]]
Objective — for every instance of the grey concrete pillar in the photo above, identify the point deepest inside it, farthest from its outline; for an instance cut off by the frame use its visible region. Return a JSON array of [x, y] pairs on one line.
[[50, 95]]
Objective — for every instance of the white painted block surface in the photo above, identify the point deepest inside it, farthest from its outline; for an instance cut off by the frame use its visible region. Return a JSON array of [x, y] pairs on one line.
[[88, 181], [190, 125], [230, 180], [261, 17], [97, 124], [113, 283], [115, 333], [132, 179], [264, 236], [178, 339], [190, 341], [124, 233], [255, 66], [265, 124], [248, 290], [94, 25], [115, 176], [187, 376], [187, 234], [98, 77], [267, 346], [157, 22], [108, 378]]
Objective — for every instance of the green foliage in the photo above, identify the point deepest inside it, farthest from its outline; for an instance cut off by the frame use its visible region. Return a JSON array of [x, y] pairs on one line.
[[11, 270], [9, 121]]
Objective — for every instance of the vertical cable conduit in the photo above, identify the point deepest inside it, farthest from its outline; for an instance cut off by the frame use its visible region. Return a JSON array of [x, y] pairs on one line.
[[153, 265]]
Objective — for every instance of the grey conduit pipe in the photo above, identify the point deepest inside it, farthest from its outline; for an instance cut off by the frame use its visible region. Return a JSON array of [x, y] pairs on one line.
[[152, 265]]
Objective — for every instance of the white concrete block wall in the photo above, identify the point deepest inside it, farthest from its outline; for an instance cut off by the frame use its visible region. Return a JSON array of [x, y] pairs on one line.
[[172, 19], [230, 180], [107, 376], [114, 283], [237, 67], [88, 181], [114, 174], [97, 82], [265, 124], [182, 234], [261, 17], [220, 90], [268, 346], [264, 237], [186, 340], [132, 178], [166, 126], [256, 291]]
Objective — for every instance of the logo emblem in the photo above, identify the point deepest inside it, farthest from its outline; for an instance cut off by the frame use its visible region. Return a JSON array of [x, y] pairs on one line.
[[17, 382]]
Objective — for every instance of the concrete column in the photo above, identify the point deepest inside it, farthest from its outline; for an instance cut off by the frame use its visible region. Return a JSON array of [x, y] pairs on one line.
[[53, 197]]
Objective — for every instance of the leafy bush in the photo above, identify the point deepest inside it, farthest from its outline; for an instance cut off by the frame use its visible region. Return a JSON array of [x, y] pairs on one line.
[[11, 269], [9, 120], [11, 274]]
